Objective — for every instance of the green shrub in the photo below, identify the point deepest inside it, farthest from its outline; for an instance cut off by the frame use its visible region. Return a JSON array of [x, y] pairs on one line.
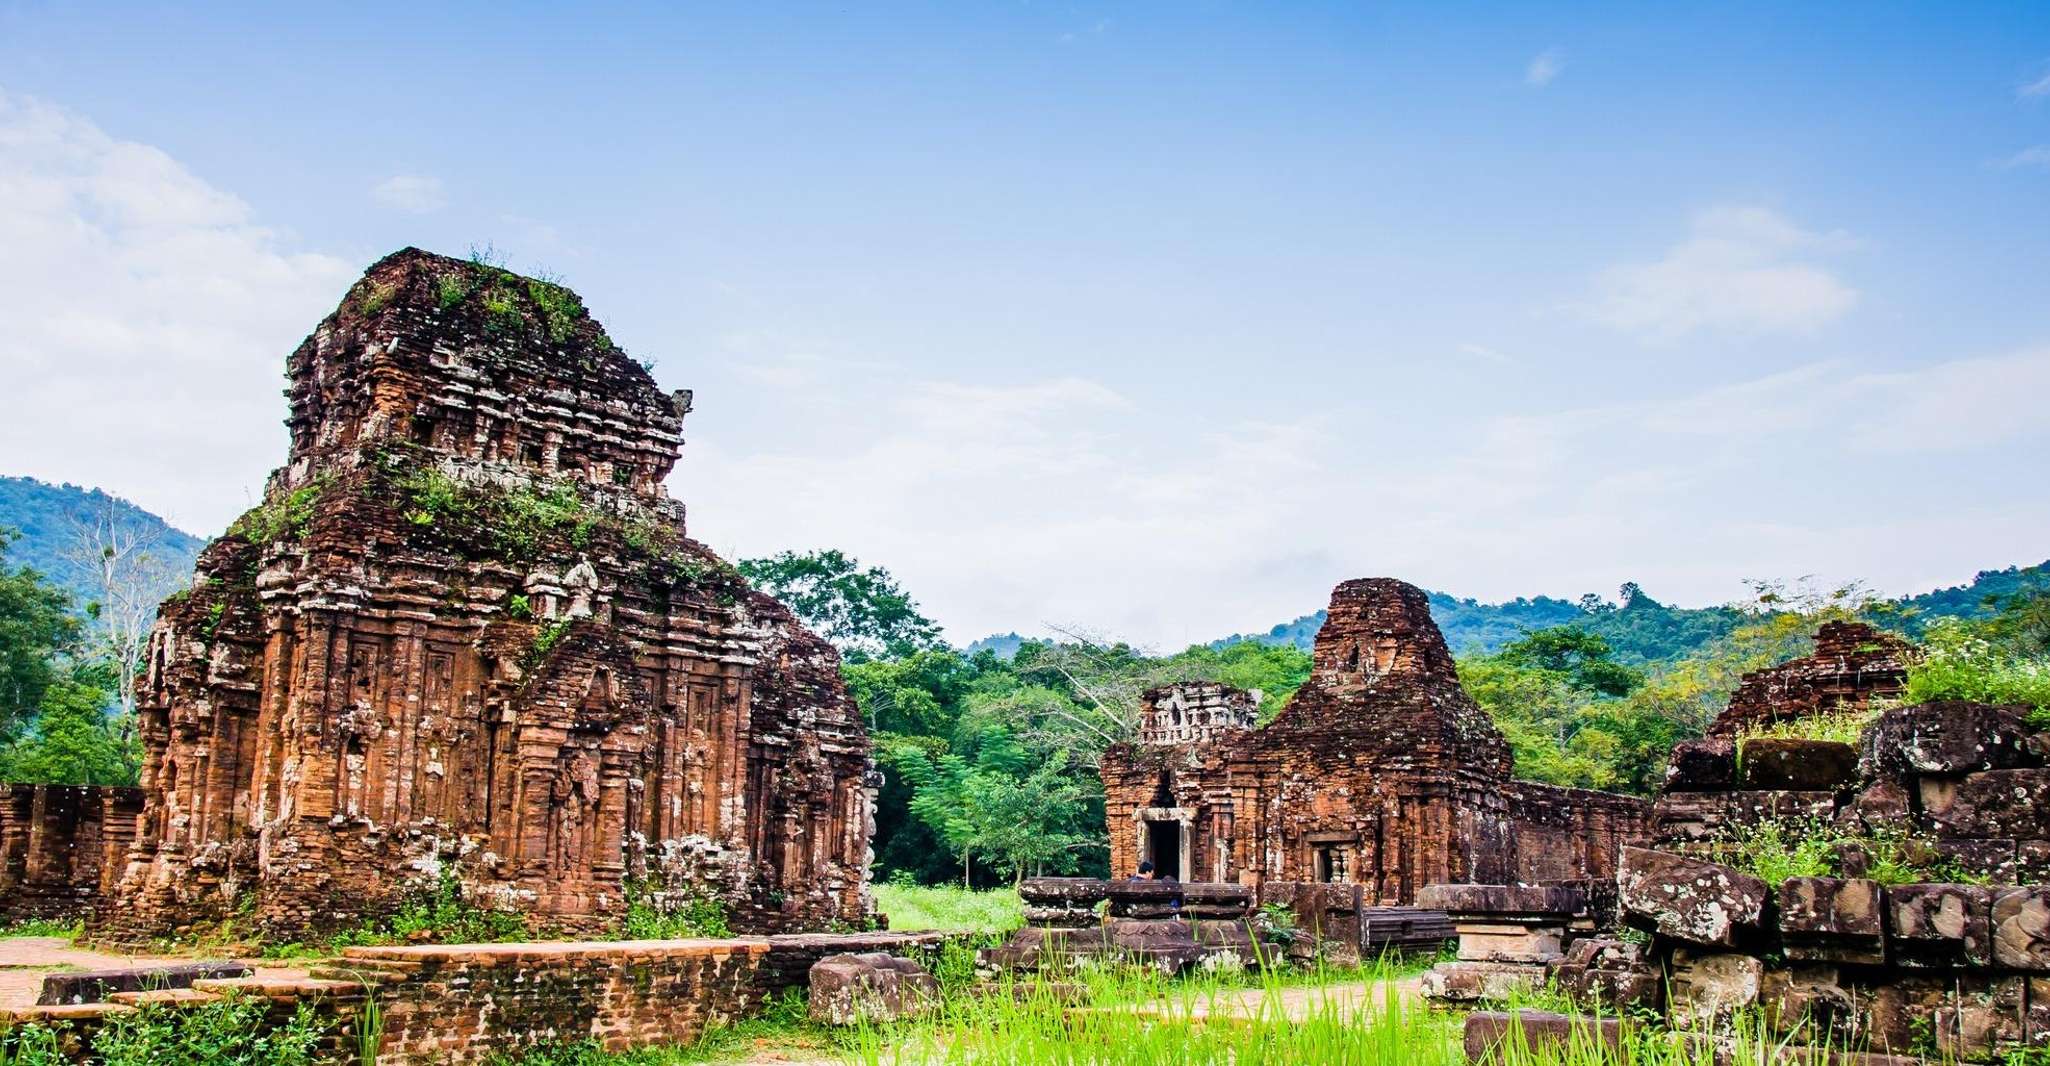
[[227, 1032], [285, 518], [1959, 664], [436, 914], [649, 919]]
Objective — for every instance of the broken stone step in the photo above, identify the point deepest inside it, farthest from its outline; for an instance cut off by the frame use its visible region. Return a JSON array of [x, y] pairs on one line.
[[166, 997]]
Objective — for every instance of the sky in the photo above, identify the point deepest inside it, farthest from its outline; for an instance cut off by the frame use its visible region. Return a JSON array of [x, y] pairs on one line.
[[1152, 321]]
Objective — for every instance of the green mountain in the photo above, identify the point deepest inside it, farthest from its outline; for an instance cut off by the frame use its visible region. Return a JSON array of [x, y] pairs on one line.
[[46, 517], [1641, 629]]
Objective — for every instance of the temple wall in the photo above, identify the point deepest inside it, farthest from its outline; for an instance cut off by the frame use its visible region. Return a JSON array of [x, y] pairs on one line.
[[59, 844]]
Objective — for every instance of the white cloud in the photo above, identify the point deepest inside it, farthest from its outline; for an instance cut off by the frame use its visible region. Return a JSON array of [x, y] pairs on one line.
[[1741, 269], [2039, 87], [144, 319], [1543, 67], [1065, 502], [2037, 156], [1958, 405], [416, 193]]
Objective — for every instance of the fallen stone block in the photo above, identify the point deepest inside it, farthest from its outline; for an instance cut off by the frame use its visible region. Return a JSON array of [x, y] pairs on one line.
[[2021, 929], [1880, 806], [1939, 925], [2011, 804], [1946, 737], [1705, 986], [1612, 974], [1805, 998], [1542, 1032], [1503, 901], [1475, 982], [872, 987], [1510, 943], [1690, 900], [1793, 764], [1828, 919], [1705, 765], [95, 986]]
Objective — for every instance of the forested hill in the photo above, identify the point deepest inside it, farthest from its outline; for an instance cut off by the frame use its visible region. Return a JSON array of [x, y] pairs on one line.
[[1641, 629], [46, 518]]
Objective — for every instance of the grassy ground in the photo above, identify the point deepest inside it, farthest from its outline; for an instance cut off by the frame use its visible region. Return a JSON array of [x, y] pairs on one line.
[[915, 907]]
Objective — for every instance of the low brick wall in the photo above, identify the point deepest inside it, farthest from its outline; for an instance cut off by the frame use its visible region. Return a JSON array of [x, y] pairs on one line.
[[57, 843], [464, 1003]]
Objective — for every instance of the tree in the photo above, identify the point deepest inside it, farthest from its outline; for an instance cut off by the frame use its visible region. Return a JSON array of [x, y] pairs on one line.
[[36, 627], [1581, 658], [864, 612], [72, 740], [119, 554]]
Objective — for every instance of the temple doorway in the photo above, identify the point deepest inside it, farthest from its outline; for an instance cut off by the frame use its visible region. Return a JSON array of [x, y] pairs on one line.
[[1164, 847]]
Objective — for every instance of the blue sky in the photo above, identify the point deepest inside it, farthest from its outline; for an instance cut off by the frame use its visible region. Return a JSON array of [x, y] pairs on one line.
[[1154, 320]]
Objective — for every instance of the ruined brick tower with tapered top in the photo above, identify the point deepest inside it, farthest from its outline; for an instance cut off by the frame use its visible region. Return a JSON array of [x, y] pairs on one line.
[[1381, 772], [466, 639]]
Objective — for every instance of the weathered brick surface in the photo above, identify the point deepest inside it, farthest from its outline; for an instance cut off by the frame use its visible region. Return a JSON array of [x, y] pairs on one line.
[[1828, 919], [1381, 771], [1939, 925], [1853, 664], [93, 986], [466, 1003], [1690, 900], [57, 845], [2010, 804], [870, 987], [467, 625], [1793, 764], [1946, 737], [1561, 1036], [2021, 929]]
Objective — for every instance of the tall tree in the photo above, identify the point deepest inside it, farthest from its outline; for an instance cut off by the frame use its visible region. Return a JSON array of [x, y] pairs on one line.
[[36, 627], [119, 552], [862, 610]]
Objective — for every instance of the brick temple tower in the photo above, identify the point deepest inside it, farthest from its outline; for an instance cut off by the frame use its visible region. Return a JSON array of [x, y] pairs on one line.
[[465, 634]]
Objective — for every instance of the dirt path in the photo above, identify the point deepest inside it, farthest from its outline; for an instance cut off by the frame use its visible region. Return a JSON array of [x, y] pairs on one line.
[[25, 959]]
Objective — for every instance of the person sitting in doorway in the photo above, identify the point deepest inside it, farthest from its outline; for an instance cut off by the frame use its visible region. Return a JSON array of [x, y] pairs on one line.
[[1145, 872]]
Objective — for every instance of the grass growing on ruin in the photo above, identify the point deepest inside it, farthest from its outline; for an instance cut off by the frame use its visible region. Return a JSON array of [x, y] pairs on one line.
[[1773, 850], [436, 915], [231, 1031], [913, 908], [649, 918], [1845, 727]]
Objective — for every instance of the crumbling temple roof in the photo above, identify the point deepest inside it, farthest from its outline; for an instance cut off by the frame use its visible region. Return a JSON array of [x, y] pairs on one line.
[[1383, 679]]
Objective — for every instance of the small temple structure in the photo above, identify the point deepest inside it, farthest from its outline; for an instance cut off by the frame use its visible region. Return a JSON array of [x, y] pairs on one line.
[[1381, 771]]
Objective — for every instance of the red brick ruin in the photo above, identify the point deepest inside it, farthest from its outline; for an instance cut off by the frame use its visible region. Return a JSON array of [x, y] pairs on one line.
[[465, 635], [1381, 771]]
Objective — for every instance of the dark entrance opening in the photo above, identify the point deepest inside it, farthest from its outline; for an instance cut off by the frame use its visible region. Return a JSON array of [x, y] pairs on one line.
[[1164, 847]]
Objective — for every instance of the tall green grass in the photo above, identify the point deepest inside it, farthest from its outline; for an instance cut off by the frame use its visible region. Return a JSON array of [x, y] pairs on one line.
[[913, 908]]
